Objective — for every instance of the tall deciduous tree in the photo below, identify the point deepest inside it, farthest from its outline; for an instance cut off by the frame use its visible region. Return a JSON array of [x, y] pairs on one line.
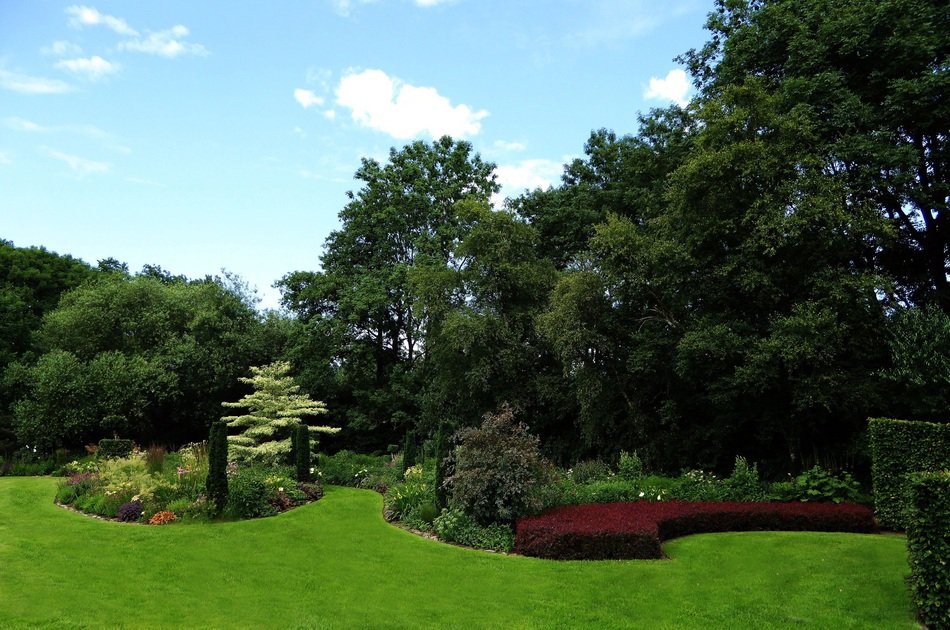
[[358, 313], [275, 409]]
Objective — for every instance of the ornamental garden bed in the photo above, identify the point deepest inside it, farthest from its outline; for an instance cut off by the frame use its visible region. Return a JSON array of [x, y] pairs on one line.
[[636, 530]]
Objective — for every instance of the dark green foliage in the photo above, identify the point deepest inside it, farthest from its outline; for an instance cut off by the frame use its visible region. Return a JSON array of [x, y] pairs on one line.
[[630, 466], [817, 484], [590, 470], [441, 454], [248, 494], [928, 545], [409, 451], [216, 483], [743, 484], [498, 470], [109, 448], [301, 451], [347, 468], [455, 526], [899, 447]]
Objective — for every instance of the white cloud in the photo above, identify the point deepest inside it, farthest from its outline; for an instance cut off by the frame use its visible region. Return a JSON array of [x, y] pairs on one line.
[[526, 175], [430, 3], [673, 88], [93, 68], [5, 159], [404, 111], [504, 145], [329, 114], [307, 98], [25, 84], [80, 16], [21, 124], [61, 49], [77, 164], [168, 43]]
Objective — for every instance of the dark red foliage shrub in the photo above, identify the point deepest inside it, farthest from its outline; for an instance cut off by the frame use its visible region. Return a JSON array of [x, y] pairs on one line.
[[129, 512], [636, 530]]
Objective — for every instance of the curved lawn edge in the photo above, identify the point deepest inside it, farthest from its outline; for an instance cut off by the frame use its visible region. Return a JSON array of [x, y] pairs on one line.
[[636, 530]]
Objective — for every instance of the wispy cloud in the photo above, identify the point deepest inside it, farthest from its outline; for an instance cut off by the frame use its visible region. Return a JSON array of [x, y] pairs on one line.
[[612, 21], [168, 43], [504, 145], [93, 68], [81, 15], [5, 159], [61, 48], [79, 165], [674, 87], [28, 126], [26, 84], [307, 98], [378, 101]]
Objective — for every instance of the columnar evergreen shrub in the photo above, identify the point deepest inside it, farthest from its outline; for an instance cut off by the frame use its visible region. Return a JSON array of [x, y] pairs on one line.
[[109, 448], [899, 447], [409, 451], [441, 453], [216, 483], [302, 452], [928, 544]]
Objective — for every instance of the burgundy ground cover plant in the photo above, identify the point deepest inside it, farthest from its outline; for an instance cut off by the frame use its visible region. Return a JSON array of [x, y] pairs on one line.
[[635, 530]]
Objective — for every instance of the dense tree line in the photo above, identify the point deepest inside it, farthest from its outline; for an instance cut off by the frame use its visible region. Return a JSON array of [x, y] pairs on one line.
[[753, 274]]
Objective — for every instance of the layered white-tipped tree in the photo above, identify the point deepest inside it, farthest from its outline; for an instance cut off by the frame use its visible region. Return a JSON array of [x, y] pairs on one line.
[[275, 408]]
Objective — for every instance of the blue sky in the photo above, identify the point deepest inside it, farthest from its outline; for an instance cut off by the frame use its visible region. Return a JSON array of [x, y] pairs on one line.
[[209, 135]]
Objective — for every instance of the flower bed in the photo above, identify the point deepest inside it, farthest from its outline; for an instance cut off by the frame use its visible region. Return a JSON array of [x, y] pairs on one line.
[[636, 530]]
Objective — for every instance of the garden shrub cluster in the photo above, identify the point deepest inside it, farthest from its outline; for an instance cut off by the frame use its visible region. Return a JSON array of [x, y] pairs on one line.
[[455, 526], [636, 530], [928, 544], [347, 468], [138, 487], [899, 447], [114, 448]]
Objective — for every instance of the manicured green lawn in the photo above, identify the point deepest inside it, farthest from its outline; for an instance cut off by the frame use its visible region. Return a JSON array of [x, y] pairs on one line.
[[336, 563]]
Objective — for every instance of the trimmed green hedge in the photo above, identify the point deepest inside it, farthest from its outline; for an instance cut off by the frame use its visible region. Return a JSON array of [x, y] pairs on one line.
[[109, 448], [928, 544], [899, 447]]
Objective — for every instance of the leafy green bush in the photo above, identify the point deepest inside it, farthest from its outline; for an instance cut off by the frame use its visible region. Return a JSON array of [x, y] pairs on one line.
[[899, 447], [590, 470], [697, 485], [417, 489], [248, 493], [455, 526], [498, 470], [817, 484], [743, 484], [630, 466], [928, 545], [347, 468], [109, 448]]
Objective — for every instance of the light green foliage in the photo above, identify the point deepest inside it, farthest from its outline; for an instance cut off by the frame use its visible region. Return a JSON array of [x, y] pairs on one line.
[[415, 492], [276, 408], [630, 466]]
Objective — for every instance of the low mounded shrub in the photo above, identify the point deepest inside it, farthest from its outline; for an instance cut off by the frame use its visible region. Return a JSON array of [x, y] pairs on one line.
[[590, 470], [498, 470], [109, 448], [636, 530], [928, 545], [455, 526], [347, 468], [248, 495], [162, 518], [129, 512], [899, 447]]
